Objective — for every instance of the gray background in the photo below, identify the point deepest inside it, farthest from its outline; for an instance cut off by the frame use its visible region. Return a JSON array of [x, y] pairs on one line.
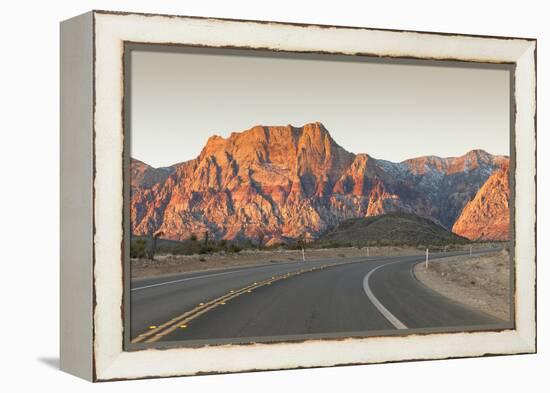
[[390, 111]]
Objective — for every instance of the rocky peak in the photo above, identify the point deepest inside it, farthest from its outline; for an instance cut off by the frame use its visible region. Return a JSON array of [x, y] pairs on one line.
[[420, 165], [474, 159], [312, 137], [143, 176]]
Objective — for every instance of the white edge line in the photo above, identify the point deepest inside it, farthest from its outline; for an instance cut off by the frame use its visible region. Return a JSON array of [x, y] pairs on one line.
[[184, 279], [383, 310]]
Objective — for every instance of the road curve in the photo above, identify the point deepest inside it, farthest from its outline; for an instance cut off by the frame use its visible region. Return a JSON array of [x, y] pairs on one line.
[[328, 297]]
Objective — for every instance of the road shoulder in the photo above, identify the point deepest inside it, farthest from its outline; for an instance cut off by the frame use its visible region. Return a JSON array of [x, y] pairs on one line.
[[481, 282]]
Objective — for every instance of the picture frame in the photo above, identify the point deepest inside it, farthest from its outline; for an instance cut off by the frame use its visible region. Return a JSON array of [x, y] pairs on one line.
[[94, 247]]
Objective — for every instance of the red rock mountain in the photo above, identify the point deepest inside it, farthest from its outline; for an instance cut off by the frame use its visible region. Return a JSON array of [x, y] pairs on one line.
[[143, 176], [487, 216], [285, 182]]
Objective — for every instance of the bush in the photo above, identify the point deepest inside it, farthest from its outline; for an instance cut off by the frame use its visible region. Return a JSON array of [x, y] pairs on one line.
[[247, 244], [206, 249], [234, 248], [292, 246], [137, 248]]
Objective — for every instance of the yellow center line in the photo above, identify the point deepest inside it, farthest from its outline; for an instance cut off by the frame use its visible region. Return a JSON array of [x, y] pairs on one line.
[[178, 319], [156, 332]]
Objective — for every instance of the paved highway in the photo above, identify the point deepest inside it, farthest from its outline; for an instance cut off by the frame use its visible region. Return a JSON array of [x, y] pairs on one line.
[[323, 297]]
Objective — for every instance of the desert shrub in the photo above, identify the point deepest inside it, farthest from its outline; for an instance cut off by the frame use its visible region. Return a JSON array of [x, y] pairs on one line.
[[247, 244], [192, 247], [186, 247], [234, 248], [206, 249], [292, 246], [138, 248]]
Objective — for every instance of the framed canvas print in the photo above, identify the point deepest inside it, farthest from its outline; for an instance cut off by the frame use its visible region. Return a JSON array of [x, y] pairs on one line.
[[247, 195]]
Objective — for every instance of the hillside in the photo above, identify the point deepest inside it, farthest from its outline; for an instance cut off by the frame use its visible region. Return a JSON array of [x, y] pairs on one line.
[[390, 229]]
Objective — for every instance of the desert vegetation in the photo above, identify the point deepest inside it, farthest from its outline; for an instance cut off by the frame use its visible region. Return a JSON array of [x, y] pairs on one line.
[[389, 230]]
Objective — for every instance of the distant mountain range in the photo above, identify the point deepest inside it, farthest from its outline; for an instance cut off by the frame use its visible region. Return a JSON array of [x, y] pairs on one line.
[[281, 183]]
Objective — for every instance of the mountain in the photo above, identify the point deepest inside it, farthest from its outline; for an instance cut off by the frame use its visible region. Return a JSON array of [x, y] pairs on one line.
[[487, 216], [143, 176], [281, 183], [390, 228]]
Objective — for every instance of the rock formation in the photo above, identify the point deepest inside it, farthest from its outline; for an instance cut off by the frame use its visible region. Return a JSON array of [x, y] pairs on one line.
[[487, 216], [281, 183]]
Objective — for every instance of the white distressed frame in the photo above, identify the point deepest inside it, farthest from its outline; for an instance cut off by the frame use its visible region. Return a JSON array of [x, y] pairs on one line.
[[111, 30]]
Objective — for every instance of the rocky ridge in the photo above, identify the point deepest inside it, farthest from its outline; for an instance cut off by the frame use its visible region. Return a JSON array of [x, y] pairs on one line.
[[285, 182]]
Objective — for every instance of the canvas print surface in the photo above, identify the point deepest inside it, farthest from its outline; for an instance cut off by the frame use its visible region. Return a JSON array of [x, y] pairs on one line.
[[277, 197]]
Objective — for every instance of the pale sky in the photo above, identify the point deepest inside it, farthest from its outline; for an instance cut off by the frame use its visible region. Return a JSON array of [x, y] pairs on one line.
[[390, 111]]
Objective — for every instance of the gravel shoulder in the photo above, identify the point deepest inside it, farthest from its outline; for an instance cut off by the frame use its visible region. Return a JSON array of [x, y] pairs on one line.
[[480, 282]]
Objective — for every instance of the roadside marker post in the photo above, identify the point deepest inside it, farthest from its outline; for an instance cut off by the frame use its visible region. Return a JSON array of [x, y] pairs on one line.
[[303, 255], [368, 252], [427, 257]]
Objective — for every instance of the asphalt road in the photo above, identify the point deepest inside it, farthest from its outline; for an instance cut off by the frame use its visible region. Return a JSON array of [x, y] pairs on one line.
[[354, 296]]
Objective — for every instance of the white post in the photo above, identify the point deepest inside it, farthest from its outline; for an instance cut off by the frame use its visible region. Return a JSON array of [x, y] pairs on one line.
[[303, 254], [368, 252], [427, 257]]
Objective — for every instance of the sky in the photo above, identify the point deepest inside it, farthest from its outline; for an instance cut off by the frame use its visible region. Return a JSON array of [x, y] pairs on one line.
[[390, 111]]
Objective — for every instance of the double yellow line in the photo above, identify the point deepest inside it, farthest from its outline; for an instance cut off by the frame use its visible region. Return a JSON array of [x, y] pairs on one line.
[[181, 321]]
